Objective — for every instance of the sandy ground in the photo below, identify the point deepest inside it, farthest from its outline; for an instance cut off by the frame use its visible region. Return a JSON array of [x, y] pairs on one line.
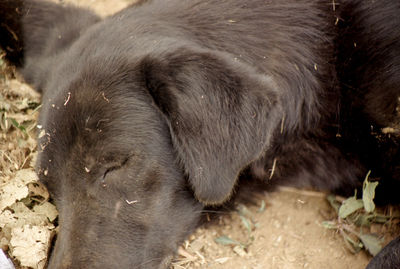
[[283, 231], [287, 234]]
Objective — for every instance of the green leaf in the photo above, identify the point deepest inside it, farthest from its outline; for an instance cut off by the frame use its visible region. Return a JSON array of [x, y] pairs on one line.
[[363, 220], [333, 202], [369, 194], [246, 223], [349, 206], [372, 243], [352, 245], [329, 225], [224, 240], [262, 207], [378, 218], [243, 211], [18, 126]]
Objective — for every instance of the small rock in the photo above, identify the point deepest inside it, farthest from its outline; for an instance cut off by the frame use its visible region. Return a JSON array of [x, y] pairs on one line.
[[239, 251]]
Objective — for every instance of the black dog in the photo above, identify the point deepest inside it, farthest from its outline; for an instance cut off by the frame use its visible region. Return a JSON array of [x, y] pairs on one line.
[[156, 111]]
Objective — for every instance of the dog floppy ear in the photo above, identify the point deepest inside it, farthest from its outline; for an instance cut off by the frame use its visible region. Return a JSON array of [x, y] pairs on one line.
[[220, 113]]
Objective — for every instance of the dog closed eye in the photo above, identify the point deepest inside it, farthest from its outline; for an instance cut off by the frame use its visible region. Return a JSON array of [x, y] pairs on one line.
[[111, 167]]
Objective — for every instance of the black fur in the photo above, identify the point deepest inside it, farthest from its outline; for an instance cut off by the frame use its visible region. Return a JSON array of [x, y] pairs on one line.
[[11, 30], [156, 111], [388, 257], [369, 72]]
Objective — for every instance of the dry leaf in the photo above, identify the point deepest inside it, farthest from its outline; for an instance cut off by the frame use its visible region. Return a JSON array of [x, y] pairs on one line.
[[240, 251], [47, 209], [38, 192], [21, 89], [26, 216], [16, 189], [222, 260], [7, 218], [29, 244]]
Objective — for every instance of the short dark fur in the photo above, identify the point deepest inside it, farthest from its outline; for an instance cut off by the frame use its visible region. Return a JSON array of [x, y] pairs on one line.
[[368, 51], [388, 257], [369, 72], [156, 111]]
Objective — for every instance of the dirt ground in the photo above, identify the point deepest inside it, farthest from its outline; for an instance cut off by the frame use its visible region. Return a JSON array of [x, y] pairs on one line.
[[287, 234], [284, 230]]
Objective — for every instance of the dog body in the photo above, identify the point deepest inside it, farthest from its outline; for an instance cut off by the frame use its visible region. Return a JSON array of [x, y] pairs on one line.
[[156, 111], [368, 69]]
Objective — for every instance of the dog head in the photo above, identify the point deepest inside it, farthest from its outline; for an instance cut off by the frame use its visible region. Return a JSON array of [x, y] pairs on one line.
[[135, 138], [132, 149]]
